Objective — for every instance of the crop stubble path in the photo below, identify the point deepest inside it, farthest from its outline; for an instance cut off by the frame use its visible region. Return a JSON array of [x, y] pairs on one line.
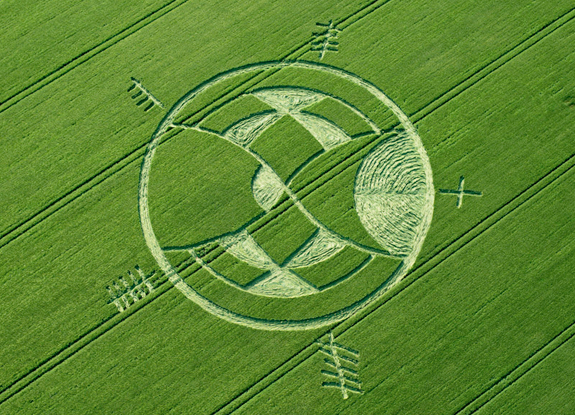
[[441, 100]]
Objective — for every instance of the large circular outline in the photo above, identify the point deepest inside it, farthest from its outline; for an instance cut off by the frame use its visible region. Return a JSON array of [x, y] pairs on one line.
[[258, 323]]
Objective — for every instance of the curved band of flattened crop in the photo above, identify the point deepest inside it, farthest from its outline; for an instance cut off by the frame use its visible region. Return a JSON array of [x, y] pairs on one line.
[[393, 195]]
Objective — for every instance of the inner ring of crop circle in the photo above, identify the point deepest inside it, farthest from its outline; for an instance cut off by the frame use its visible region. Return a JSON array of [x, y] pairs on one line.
[[259, 323]]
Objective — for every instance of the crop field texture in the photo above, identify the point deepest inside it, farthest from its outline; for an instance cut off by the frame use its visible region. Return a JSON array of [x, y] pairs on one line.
[[307, 207]]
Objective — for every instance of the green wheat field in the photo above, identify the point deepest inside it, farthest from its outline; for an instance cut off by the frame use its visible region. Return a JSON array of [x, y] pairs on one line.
[[287, 207]]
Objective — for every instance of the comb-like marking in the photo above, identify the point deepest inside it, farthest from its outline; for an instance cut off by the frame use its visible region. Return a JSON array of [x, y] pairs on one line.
[[325, 40], [341, 376], [124, 293], [148, 96]]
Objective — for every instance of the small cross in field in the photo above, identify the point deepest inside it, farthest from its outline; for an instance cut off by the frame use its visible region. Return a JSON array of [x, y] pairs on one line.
[[325, 40], [460, 192]]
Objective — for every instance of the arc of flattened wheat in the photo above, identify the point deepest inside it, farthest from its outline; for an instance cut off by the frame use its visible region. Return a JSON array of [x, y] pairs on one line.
[[291, 194]]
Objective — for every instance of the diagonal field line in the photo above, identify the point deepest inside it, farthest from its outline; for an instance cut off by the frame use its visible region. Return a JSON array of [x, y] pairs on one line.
[[523, 369], [88, 54], [417, 274], [19, 229], [517, 372], [117, 166], [54, 206], [494, 65], [79, 344]]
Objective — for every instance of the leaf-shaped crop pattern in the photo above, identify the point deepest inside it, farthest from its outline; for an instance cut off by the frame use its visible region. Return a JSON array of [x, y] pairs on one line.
[[288, 99], [324, 131], [248, 129], [267, 187], [320, 247]]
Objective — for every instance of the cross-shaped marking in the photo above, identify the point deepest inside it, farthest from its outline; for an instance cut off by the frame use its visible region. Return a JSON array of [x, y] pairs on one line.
[[460, 192]]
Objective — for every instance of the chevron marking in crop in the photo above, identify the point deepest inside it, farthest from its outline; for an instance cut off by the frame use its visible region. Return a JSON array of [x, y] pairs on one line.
[[126, 293], [343, 363], [325, 40], [143, 95]]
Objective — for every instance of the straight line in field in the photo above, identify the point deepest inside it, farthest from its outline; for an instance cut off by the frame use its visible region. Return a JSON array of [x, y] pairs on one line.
[[19, 229], [492, 66], [94, 333], [128, 159], [360, 14], [518, 371], [418, 273], [88, 54]]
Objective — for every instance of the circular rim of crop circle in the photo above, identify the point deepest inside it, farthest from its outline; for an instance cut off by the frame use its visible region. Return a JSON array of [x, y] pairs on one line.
[[269, 324]]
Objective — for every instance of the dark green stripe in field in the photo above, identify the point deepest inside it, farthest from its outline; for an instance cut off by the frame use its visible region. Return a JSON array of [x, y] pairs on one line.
[[41, 40], [471, 311], [547, 388], [498, 299]]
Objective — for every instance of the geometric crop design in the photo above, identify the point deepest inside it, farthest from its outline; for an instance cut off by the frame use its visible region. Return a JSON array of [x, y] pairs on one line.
[[392, 193], [342, 363]]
